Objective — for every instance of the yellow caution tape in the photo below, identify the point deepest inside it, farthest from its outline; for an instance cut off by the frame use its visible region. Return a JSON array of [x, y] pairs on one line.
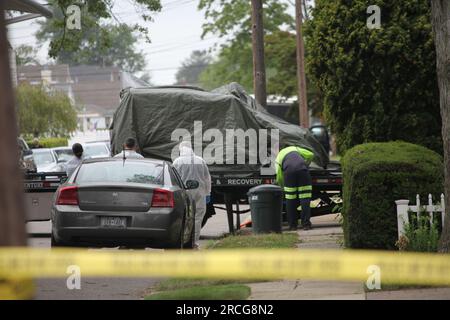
[[16, 289], [395, 267]]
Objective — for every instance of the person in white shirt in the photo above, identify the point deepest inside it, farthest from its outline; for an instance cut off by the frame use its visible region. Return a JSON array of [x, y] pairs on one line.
[[73, 163], [129, 150], [193, 167]]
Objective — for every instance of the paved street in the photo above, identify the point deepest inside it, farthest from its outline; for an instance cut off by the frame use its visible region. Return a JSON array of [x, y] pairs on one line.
[[107, 288]]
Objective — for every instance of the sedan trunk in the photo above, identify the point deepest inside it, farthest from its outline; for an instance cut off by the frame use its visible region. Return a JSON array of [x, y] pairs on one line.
[[115, 198]]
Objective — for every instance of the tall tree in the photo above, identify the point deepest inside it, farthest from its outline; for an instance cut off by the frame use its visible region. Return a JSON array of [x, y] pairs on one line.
[[441, 17], [378, 84], [25, 55], [232, 20], [116, 47], [234, 60], [192, 67], [93, 26], [281, 71], [41, 112]]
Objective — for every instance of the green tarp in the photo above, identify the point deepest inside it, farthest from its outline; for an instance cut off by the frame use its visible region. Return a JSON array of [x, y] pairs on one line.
[[156, 117]]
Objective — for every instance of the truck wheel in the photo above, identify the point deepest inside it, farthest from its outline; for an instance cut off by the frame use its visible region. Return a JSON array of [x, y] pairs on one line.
[[210, 211]]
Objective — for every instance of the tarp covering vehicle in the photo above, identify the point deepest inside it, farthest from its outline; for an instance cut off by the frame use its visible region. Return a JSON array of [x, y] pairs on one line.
[[157, 117]]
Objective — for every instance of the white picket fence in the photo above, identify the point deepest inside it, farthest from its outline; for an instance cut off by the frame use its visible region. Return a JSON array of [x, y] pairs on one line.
[[403, 208]]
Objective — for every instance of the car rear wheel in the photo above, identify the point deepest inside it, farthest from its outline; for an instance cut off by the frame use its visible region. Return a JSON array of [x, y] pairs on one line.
[[191, 242], [56, 243]]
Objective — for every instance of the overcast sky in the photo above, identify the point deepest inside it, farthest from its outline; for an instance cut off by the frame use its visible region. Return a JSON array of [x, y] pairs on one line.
[[175, 33]]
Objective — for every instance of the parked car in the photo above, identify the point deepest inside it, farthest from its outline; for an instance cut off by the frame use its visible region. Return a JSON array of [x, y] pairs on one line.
[[25, 156], [109, 202], [94, 150], [63, 154], [46, 161]]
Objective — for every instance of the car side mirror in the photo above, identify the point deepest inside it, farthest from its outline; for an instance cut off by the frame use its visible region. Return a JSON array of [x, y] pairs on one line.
[[192, 184], [28, 152]]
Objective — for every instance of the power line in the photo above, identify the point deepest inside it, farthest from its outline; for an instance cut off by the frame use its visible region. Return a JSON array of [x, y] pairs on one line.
[[100, 72]]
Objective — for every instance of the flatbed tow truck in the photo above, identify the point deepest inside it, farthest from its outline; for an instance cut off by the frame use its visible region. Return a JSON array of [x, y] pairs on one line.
[[158, 117], [39, 191], [232, 190]]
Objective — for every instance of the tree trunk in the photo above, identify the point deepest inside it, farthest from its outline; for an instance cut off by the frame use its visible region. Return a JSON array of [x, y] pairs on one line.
[[259, 67], [441, 27], [12, 212]]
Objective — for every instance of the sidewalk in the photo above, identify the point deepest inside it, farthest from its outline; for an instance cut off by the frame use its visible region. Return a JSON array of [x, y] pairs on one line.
[[327, 234]]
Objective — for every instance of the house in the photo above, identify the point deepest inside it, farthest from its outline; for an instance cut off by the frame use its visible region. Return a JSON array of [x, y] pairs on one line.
[[55, 77], [94, 90], [21, 10]]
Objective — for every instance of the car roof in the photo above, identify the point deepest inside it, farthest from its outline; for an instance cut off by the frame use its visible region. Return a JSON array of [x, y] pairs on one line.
[[95, 143], [41, 150], [146, 160], [62, 148]]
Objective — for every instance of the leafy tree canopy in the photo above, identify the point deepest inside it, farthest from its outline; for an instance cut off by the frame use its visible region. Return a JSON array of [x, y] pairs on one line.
[[94, 30], [232, 19], [192, 67], [25, 55], [114, 46], [378, 84], [44, 113], [235, 61]]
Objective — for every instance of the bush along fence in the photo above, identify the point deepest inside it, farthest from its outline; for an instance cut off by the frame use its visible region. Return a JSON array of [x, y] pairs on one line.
[[420, 226], [404, 211], [49, 142], [375, 175]]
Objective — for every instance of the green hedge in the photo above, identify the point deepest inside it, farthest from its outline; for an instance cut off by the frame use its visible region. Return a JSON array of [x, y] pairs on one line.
[[377, 174], [49, 142]]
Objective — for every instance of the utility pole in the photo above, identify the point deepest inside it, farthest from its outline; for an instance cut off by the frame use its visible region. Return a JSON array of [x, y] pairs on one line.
[[259, 69], [302, 98], [12, 210]]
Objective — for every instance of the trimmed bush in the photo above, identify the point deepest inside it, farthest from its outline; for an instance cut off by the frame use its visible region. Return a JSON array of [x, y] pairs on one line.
[[50, 142], [377, 174]]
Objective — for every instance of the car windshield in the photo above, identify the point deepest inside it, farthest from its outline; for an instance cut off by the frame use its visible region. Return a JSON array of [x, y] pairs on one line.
[[117, 171], [98, 150], [43, 157], [64, 155]]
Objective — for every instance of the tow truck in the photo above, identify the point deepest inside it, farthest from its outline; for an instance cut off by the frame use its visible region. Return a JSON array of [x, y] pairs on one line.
[[39, 190], [232, 190], [158, 116]]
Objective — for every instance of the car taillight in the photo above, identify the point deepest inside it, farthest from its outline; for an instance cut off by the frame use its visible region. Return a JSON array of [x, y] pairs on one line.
[[162, 199], [68, 196]]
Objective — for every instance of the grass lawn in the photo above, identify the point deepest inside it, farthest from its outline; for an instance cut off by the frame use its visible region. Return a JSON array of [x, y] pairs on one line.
[[209, 292], [203, 289], [263, 241]]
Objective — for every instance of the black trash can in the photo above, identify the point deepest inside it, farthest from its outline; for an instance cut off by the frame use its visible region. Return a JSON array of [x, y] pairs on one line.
[[266, 202]]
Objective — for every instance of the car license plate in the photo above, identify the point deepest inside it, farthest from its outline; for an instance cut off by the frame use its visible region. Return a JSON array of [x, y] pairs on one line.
[[114, 222]]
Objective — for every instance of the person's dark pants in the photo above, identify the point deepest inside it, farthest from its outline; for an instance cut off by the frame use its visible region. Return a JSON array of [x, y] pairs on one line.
[[298, 191]]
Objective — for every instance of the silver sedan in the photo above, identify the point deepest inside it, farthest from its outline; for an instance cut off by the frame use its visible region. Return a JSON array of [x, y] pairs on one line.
[[116, 202]]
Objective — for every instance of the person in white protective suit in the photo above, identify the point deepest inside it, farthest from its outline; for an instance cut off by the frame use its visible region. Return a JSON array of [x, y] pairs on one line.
[[192, 167]]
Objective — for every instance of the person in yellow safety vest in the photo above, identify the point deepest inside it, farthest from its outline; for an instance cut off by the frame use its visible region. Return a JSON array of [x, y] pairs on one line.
[[293, 175]]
